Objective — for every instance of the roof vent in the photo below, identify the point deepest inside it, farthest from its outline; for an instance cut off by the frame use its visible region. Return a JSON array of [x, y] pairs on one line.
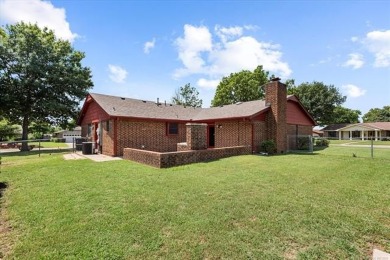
[[113, 108], [275, 79], [238, 103], [144, 101], [122, 98]]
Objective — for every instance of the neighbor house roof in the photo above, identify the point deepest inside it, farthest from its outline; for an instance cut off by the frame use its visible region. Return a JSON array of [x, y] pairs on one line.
[[379, 125], [374, 125], [334, 127]]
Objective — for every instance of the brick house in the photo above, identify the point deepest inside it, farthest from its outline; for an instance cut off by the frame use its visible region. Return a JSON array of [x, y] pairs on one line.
[[115, 123]]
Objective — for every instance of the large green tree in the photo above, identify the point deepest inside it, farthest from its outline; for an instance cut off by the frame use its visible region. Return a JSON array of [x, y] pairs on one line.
[[241, 86], [319, 99], [377, 115], [38, 129], [187, 96], [343, 115], [41, 77]]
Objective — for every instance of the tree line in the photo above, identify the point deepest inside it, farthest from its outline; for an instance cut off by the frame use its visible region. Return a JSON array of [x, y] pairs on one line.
[[322, 101], [42, 82]]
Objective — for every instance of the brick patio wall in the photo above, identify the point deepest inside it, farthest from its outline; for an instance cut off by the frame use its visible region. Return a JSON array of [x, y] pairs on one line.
[[170, 159]]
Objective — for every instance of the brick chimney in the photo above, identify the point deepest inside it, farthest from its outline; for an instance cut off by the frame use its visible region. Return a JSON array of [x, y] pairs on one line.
[[276, 97]]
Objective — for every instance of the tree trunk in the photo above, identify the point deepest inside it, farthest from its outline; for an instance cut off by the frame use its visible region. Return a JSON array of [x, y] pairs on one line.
[[25, 133]]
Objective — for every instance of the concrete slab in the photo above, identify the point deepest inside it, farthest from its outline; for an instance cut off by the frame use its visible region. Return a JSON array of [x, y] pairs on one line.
[[73, 156], [380, 255], [93, 157], [101, 157]]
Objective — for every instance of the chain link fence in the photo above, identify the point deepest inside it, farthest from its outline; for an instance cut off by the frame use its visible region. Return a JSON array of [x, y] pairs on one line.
[[37, 146]]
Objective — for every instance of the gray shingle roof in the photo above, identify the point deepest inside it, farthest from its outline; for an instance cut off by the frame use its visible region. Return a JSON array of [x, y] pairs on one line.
[[377, 125], [334, 127], [128, 107]]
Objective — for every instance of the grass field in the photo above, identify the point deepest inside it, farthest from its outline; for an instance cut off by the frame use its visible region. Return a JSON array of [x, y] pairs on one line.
[[49, 144], [328, 205], [359, 142]]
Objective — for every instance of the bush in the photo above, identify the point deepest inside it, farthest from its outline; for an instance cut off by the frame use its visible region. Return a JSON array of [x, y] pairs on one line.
[[268, 147], [322, 142], [303, 143]]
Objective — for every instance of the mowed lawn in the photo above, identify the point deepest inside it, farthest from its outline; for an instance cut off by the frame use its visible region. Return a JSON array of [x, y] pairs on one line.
[[329, 205]]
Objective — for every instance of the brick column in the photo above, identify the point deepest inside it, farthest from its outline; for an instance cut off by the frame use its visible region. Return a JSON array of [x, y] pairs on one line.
[[276, 97], [196, 136]]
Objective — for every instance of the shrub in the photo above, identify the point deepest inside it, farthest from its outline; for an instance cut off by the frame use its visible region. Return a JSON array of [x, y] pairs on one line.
[[303, 143], [322, 142], [268, 147]]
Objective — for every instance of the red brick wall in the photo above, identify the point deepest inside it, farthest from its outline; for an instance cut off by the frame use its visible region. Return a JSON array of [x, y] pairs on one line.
[[259, 135], [148, 135], [108, 138], [275, 94], [233, 133]]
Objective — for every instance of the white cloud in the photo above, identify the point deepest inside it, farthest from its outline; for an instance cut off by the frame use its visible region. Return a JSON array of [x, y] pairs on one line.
[[117, 73], [35, 11], [149, 45], [353, 91], [354, 39], [195, 41], [355, 61], [234, 52], [207, 84], [226, 33], [378, 42]]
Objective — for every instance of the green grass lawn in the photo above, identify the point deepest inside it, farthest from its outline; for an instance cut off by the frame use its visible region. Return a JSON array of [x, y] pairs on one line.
[[49, 144], [359, 142], [328, 205]]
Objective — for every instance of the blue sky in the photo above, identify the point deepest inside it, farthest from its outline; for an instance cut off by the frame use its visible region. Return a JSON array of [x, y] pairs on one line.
[[148, 49]]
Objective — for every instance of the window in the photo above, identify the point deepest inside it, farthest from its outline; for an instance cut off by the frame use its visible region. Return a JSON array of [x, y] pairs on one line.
[[173, 128], [108, 125]]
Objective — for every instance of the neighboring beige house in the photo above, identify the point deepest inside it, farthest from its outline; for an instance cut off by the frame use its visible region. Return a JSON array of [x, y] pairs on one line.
[[363, 131], [68, 135]]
